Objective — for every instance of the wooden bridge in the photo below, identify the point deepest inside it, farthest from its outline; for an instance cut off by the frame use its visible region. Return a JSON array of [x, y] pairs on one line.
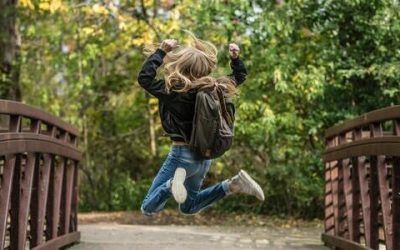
[[362, 190], [39, 179]]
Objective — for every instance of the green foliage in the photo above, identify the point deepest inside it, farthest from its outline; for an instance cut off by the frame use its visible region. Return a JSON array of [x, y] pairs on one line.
[[124, 194], [311, 64]]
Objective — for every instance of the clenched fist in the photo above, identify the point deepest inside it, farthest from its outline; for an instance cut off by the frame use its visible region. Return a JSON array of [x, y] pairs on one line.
[[168, 45], [234, 50]]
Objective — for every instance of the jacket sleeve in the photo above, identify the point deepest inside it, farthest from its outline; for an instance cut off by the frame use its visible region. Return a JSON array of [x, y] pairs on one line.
[[147, 74], [239, 71]]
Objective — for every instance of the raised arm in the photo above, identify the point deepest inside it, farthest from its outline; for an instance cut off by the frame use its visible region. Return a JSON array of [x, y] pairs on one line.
[[239, 71], [147, 74]]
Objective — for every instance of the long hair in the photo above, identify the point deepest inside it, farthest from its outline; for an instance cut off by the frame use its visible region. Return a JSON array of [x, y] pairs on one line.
[[189, 67]]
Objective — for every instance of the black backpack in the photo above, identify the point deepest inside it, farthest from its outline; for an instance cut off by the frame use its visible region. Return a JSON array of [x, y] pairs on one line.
[[213, 126]]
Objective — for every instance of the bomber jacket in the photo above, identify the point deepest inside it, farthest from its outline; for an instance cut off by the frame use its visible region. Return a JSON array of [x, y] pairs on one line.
[[177, 109]]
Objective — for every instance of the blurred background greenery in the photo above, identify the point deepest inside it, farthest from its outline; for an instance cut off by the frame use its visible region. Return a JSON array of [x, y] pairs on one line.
[[311, 64]]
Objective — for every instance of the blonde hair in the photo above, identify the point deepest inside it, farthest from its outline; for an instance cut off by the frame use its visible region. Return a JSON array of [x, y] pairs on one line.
[[189, 67]]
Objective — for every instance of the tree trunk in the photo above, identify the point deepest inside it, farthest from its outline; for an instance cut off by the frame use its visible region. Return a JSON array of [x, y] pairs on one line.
[[9, 51]]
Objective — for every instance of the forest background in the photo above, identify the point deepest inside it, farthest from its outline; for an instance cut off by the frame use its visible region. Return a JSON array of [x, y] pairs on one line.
[[311, 64]]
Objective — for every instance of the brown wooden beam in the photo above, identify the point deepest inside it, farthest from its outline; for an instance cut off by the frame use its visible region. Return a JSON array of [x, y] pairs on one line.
[[5, 192], [60, 241], [342, 243]]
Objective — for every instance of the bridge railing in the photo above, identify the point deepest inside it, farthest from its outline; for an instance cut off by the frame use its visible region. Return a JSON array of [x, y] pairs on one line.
[[38, 179], [362, 182]]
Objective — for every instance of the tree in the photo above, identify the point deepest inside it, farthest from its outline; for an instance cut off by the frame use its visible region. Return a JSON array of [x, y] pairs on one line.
[[9, 51], [311, 64]]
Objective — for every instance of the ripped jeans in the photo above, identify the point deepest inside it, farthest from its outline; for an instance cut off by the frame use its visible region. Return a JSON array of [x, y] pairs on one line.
[[196, 170]]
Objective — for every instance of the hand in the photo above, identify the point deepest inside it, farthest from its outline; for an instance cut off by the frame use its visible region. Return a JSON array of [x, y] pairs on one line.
[[234, 50], [168, 45]]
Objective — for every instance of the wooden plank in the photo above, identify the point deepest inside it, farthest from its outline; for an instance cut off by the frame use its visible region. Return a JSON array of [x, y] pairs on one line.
[[53, 215], [60, 242], [357, 135], [385, 201], [335, 195], [374, 203], [365, 201], [384, 114], [328, 197], [355, 201], [34, 214], [329, 223], [333, 221], [15, 203], [341, 196], [67, 198], [396, 193], [328, 211], [348, 192], [5, 192], [74, 222], [396, 203], [21, 143], [25, 198], [39, 200], [341, 243], [376, 131], [17, 108], [388, 145], [50, 203], [328, 186], [341, 200], [21, 196]]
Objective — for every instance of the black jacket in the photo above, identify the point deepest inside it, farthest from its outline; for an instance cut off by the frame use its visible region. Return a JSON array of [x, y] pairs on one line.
[[177, 109]]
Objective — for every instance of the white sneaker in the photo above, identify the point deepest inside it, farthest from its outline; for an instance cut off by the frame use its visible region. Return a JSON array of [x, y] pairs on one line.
[[243, 183], [178, 188]]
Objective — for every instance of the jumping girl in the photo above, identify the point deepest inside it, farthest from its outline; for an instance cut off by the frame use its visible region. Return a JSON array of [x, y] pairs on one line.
[[186, 70]]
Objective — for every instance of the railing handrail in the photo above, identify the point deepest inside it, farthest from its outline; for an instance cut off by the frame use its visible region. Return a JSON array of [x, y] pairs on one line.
[[389, 146], [14, 143], [384, 114], [15, 108]]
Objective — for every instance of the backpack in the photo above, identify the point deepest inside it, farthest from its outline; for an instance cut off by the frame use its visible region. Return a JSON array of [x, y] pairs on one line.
[[213, 127]]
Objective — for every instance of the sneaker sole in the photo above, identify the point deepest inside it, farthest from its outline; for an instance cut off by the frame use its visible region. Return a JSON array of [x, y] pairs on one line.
[[246, 177], [178, 188]]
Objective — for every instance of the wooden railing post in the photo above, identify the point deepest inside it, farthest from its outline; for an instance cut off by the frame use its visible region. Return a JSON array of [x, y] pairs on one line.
[[53, 217], [396, 193], [355, 192], [342, 164], [379, 180], [5, 195], [39, 202], [396, 203], [15, 204]]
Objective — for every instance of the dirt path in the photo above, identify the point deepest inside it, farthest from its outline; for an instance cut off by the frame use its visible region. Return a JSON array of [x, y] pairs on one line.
[[149, 237]]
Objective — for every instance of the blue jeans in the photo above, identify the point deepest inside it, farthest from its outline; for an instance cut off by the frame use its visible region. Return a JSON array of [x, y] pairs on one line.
[[196, 170]]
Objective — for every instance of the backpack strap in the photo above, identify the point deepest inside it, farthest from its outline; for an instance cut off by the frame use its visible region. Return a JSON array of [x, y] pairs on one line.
[[223, 106]]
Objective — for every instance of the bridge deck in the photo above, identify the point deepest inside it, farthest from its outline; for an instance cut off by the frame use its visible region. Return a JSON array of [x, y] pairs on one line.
[[118, 237]]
